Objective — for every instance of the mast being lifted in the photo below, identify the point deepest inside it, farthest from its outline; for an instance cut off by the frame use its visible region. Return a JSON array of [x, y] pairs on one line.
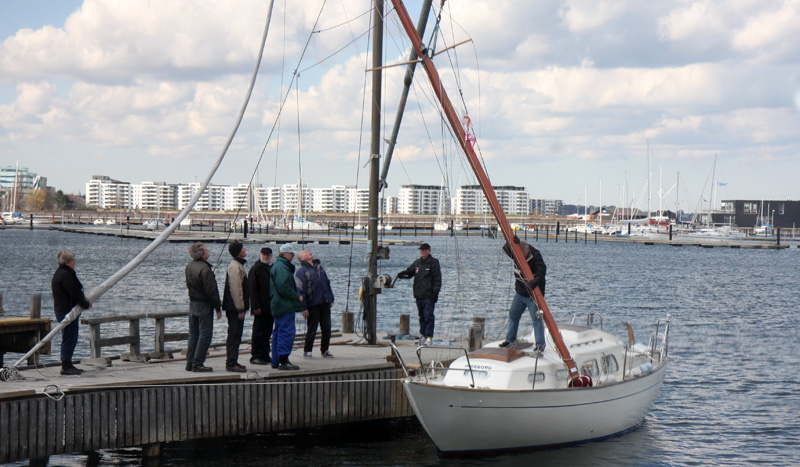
[[483, 179]]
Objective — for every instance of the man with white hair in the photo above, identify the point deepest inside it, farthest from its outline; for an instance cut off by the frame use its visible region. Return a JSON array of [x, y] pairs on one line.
[[284, 303], [67, 292], [203, 300], [316, 296]]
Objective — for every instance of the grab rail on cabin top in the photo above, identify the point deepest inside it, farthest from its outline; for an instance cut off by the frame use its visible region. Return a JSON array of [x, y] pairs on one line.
[[589, 319], [654, 338], [466, 354]]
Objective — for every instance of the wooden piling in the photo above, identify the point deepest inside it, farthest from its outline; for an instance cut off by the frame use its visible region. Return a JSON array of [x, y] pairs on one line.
[[404, 324]]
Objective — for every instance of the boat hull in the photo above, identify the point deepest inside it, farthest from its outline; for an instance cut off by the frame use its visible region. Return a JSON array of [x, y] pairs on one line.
[[464, 420]]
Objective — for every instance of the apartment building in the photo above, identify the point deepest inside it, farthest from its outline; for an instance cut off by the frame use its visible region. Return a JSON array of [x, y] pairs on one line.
[[106, 193], [423, 199], [470, 200], [546, 207]]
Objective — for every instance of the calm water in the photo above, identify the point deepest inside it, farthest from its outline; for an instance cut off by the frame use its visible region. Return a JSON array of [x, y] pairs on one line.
[[731, 395]]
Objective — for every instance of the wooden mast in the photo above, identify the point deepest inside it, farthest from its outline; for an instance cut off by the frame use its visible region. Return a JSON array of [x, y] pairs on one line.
[[483, 179]]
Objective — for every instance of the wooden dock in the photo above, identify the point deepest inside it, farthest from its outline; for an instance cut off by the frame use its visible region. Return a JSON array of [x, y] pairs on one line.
[[134, 403]]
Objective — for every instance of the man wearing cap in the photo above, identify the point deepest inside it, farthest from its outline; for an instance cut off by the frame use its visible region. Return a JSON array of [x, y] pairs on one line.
[[427, 283], [284, 303], [235, 302], [258, 282]]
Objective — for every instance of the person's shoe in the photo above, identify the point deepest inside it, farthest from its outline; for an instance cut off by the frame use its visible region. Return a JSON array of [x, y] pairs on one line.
[[274, 366], [428, 341], [71, 371], [288, 367], [538, 348], [258, 361], [236, 368], [327, 354], [307, 355], [202, 369], [505, 344], [189, 367]]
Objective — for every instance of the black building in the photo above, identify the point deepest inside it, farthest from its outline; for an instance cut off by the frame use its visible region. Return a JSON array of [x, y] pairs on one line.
[[751, 213]]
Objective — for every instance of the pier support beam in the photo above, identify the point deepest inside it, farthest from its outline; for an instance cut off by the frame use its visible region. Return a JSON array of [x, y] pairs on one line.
[[151, 450], [404, 323]]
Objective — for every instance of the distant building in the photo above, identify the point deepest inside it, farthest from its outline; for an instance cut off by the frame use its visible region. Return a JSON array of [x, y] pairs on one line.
[[750, 213], [25, 179], [471, 200], [423, 199], [546, 207], [106, 193]]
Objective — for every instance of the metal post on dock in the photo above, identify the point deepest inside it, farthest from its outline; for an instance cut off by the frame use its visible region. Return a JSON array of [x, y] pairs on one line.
[[1, 304], [404, 327], [558, 228], [778, 235]]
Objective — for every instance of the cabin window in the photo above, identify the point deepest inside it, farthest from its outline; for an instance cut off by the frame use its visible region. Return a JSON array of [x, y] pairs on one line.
[[539, 377], [610, 364], [590, 368], [477, 374], [562, 375]]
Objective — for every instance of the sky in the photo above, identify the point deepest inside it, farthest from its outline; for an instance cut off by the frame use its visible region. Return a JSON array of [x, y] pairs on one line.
[[577, 100]]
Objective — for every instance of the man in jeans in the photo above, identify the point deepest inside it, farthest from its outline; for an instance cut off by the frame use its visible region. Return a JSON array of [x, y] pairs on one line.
[[203, 300], [522, 296]]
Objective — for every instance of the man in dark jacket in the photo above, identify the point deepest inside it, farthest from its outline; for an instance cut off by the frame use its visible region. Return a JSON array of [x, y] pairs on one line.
[[316, 296], [203, 300], [427, 283], [258, 282], [235, 302], [67, 292], [522, 296]]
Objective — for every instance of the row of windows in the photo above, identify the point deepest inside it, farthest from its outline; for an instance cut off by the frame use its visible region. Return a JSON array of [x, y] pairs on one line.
[[590, 368]]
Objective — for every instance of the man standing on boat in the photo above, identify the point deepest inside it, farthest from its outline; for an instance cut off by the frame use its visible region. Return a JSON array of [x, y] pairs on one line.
[[523, 298], [284, 303], [316, 296], [203, 300], [259, 279], [67, 292], [235, 302], [427, 283]]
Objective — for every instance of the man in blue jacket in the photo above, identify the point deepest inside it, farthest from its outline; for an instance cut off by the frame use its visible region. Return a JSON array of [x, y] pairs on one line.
[[316, 296]]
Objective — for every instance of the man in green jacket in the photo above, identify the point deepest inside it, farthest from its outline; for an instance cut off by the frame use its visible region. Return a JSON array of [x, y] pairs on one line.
[[284, 303]]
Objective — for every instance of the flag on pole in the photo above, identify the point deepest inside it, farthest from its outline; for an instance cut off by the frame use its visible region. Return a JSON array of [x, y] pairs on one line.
[[721, 183]]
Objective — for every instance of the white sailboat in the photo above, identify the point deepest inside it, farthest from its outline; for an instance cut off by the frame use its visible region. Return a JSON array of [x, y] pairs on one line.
[[588, 384]]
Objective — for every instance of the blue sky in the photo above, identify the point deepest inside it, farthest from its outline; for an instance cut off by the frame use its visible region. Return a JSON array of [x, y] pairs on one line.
[[562, 95]]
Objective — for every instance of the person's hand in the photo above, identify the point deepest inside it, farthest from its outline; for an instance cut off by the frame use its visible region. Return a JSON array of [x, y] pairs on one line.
[[435, 299], [535, 282], [219, 314], [257, 312], [241, 316], [305, 314]]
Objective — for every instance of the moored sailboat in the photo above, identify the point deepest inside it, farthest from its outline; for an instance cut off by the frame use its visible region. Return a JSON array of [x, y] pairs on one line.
[[588, 384]]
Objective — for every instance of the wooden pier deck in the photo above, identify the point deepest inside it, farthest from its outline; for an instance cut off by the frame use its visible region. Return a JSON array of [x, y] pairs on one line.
[[146, 404]]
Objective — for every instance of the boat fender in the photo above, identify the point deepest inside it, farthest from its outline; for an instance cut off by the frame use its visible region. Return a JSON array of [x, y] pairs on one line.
[[642, 369], [584, 381]]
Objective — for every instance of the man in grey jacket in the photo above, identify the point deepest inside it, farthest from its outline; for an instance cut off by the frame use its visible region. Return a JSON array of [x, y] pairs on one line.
[[203, 300], [235, 302]]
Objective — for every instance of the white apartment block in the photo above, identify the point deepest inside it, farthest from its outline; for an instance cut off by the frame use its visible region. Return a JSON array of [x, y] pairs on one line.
[[107, 193], [546, 207], [423, 199], [470, 200], [104, 192], [153, 196]]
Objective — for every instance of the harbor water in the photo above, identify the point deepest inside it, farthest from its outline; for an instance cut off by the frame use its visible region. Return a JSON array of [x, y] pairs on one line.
[[730, 397]]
